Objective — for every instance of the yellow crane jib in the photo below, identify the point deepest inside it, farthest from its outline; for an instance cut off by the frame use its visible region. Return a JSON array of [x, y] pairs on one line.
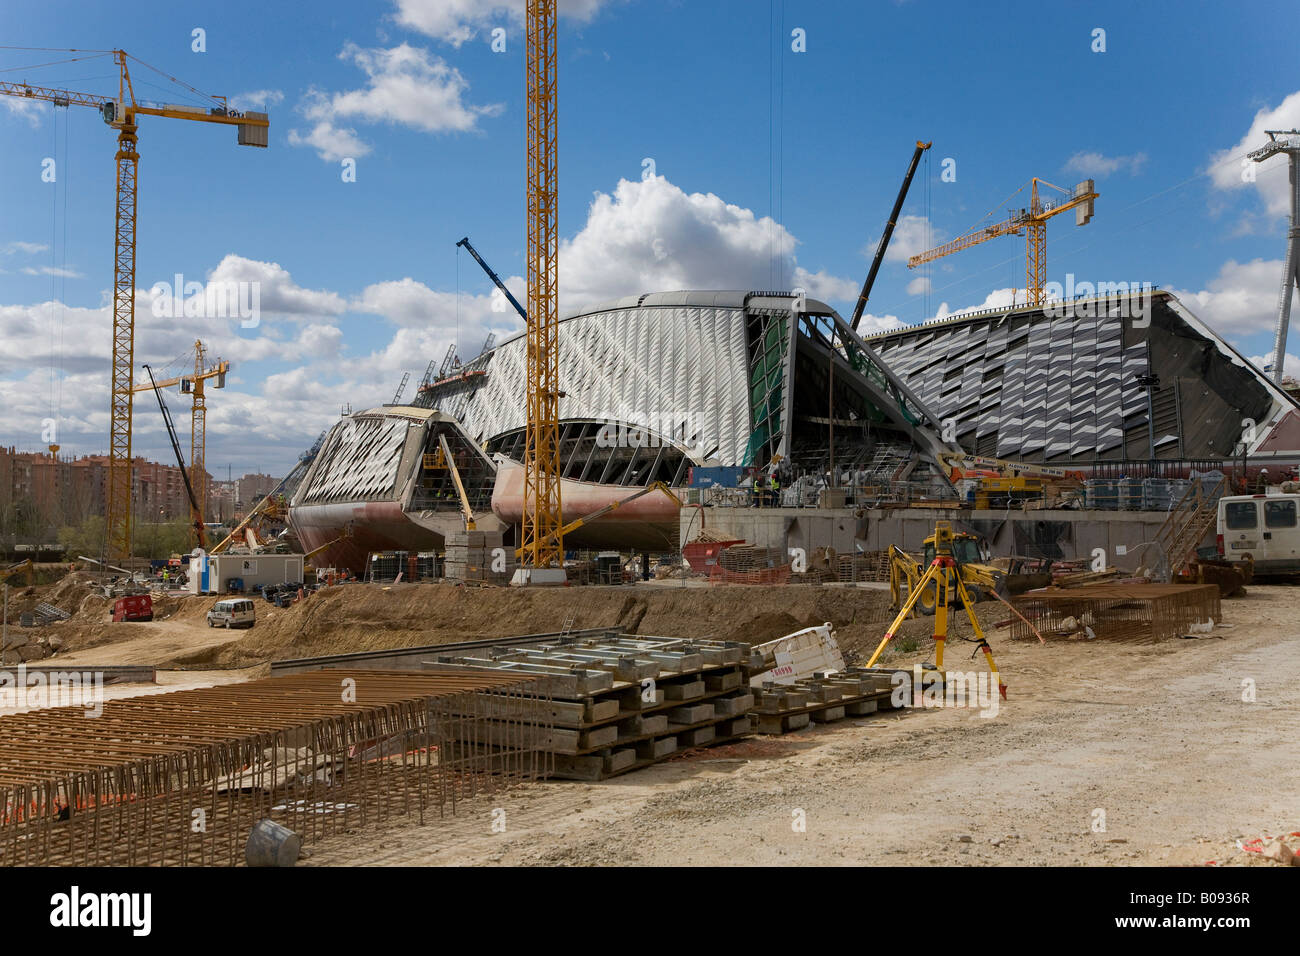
[[1030, 220]]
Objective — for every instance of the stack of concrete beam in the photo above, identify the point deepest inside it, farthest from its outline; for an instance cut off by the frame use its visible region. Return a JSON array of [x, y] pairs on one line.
[[826, 697], [624, 703], [479, 556]]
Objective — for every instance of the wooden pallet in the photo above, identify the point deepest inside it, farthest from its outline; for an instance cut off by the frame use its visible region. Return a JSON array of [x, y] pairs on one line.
[[619, 704], [825, 698]]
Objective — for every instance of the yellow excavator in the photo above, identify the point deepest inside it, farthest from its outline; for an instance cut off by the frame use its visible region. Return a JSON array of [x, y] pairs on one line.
[[18, 568], [982, 580]]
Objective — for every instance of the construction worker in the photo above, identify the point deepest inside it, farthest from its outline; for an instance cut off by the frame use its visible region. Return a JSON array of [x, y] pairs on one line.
[[758, 490], [775, 486], [1261, 483]]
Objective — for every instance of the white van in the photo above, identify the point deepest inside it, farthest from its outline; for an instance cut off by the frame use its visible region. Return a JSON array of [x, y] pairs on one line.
[[237, 612], [1262, 529]]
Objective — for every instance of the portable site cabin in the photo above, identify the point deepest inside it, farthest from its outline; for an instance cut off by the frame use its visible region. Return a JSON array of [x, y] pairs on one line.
[[212, 573]]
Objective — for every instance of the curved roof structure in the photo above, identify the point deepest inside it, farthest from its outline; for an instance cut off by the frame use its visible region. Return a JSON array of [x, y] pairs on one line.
[[1066, 382], [713, 374]]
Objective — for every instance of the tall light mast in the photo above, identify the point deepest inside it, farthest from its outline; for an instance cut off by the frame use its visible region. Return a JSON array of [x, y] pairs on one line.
[[1285, 141]]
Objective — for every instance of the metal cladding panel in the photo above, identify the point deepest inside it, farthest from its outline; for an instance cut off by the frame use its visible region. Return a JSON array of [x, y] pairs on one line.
[[1057, 385], [678, 370], [358, 462]]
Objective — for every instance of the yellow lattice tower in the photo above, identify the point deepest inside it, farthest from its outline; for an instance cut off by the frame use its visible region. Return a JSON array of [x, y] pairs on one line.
[[540, 540], [117, 497], [121, 114]]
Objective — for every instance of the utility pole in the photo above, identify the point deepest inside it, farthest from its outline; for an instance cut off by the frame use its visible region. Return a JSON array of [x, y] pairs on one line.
[[1288, 142]]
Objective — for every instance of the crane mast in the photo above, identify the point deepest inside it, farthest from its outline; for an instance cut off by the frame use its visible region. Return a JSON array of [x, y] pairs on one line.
[[198, 414], [196, 515], [120, 113], [541, 532]]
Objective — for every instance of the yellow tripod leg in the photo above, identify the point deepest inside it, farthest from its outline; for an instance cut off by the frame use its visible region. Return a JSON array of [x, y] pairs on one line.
[[930, 574], [941, 598], [969, 605]]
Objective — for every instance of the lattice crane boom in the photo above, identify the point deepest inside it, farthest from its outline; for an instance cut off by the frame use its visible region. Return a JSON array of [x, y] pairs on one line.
[[541, 532], [193, 384], [120, 113], [1032, 222]]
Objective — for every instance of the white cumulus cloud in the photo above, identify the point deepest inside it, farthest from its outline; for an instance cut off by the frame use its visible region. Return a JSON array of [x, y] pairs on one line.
[[1229, 171], [405, 86], [651, 236], [1098, 166], [1241, 299], [456, 21], [912, 236]]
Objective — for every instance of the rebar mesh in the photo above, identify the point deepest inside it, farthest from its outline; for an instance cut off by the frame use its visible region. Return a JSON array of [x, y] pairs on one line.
[[1125, 612], [181, 778]]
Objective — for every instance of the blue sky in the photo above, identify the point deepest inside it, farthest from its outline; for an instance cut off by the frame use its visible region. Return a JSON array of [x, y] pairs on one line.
[[771, 168]]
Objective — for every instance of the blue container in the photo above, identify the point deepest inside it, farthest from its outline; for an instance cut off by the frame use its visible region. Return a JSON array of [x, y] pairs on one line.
[[720, 476]]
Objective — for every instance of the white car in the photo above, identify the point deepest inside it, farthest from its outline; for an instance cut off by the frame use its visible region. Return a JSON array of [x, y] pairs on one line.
[[233, 613]]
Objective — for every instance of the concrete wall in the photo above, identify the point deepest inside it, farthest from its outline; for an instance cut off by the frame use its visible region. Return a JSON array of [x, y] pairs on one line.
[[876, 530]]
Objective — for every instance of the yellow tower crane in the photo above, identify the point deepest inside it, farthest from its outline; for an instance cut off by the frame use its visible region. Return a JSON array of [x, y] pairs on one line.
[[1032, 221], [541, 533], [121, 113], [193, 385]]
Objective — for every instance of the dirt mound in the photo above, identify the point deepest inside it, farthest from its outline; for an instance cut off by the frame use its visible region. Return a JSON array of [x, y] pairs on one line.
[[358, 617], [363, 617]]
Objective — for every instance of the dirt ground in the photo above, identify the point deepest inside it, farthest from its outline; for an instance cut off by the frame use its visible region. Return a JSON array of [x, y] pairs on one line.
[[360, 617], [1156, 737]]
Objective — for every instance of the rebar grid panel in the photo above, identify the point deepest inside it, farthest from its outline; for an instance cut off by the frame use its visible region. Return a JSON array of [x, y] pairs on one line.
[[181, 778], [1142, 613]]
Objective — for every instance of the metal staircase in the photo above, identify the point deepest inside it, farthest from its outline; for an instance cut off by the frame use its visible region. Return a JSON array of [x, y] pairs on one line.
[[1189, 522]]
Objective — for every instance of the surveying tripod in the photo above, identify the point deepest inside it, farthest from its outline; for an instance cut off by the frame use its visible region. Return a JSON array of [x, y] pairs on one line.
[[945, 574]]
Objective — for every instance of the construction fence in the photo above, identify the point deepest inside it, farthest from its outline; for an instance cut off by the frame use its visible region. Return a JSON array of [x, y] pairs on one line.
[[1142, 613]]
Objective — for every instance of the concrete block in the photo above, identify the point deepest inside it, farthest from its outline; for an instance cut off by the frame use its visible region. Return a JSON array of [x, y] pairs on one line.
[[619, 760], [723, 681], [696, 737], [767, 724], [733, 706], [598, 737], [829, 714], [691, 714], [688, 691], [656, 749]]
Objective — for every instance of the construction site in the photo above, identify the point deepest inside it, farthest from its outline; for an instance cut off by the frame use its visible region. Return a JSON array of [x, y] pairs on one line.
[[686, 577]]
